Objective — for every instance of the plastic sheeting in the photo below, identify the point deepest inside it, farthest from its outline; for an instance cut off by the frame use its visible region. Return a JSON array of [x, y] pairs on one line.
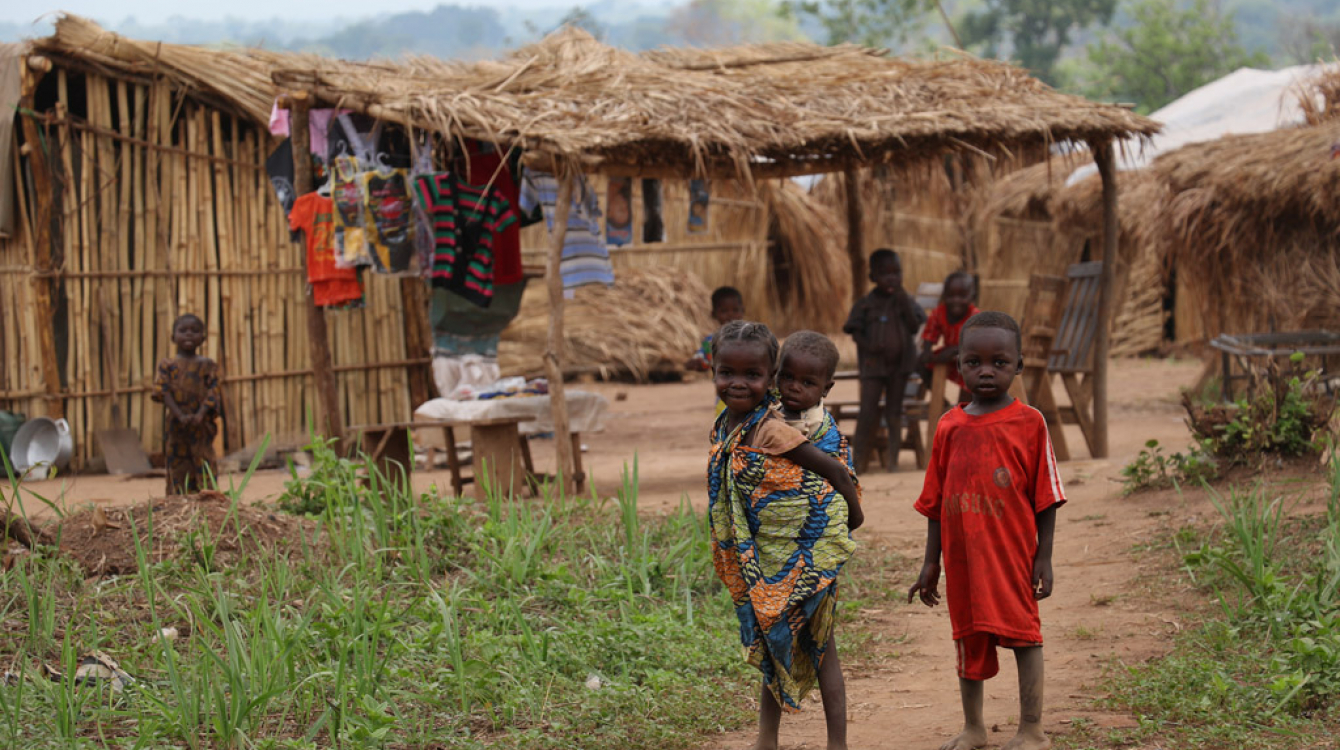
[[1244, 101]]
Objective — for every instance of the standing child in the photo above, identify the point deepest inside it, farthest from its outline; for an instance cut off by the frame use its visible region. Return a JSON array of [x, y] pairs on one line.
[[883, 323], [188, 385], [991, 496], [944, 325], [781, 513]]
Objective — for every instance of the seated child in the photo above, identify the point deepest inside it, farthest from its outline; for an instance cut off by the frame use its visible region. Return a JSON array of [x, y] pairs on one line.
[[727, 305], [883, 323], [990, 497], [781, 565], [944, 324]]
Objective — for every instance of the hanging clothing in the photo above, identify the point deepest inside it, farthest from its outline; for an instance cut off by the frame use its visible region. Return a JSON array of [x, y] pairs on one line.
[[466, 218], [585, 259], [386, 219], [619, 212], [700, 198], [486, 167], [653, 226], [351, 248], [332, 285], [318, 124]]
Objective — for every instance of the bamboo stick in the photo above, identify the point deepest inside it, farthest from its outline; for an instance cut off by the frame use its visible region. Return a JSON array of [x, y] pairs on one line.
[[40, 168], [553, 362]]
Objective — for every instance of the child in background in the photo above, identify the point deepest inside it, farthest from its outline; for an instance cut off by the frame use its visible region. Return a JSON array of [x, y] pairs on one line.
[[188, 385], [944, 324], [727, 305], [883, 323], [781, 565], [991, 495]]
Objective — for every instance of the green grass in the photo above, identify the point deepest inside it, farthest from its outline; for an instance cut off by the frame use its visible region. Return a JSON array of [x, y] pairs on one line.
[[400, 621], [1260, 667]]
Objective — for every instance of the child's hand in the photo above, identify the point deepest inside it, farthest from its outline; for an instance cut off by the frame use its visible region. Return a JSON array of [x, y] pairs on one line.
[[928, 584], [855, 517], [1042, 579]]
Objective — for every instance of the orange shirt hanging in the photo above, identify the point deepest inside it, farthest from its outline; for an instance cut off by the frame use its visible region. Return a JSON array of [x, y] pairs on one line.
[[332, 286], [989, 477]]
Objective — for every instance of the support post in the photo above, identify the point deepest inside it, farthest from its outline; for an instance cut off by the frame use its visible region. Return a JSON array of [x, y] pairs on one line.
[[855, 233], [318, 337], [553, 353], [418, 339], [1104, 156], [45, 218]]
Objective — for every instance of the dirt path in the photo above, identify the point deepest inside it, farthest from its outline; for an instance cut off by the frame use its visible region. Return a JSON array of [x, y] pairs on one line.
[[905, 687]]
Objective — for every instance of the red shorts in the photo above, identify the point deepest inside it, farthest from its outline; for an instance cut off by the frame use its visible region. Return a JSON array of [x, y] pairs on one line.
[[977, 654]]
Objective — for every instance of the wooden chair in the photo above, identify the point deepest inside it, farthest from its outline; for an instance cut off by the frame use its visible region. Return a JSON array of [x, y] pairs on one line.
[[1060, 326]]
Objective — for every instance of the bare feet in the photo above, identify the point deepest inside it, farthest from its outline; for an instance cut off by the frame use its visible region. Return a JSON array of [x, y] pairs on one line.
[[1029, 737], [970, 738]]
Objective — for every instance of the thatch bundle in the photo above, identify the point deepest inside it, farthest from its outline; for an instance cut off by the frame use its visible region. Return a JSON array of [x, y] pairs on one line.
[[652, 319], [810, 272], [792, 107], [1320, 98]]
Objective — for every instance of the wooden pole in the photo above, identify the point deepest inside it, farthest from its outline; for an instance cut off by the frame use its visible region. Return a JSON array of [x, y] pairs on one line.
[[46, 230], [1104, 155], [855, 233], [418, 339], [318, 337], [553, 364]]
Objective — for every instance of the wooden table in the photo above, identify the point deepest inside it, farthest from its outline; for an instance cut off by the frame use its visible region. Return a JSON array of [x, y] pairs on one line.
[[495, 442]]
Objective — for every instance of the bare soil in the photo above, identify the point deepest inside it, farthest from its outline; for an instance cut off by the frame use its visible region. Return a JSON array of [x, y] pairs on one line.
[[1111, 604], [205, 525]]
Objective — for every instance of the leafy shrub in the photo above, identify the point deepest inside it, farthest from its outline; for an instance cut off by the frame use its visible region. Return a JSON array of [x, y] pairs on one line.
[[1152, 469], [1289, 416]]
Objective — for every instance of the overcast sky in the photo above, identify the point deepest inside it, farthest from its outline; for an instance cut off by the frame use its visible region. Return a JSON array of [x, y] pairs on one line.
[[154, 11]]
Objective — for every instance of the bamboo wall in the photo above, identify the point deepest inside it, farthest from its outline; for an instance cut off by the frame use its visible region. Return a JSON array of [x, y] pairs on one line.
[[166, 209]]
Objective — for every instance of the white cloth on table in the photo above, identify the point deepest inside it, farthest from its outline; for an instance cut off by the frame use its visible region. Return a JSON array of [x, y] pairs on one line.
[[586, 411]]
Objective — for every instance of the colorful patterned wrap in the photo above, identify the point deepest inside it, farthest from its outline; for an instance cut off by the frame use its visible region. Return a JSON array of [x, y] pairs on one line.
[[779, 538]]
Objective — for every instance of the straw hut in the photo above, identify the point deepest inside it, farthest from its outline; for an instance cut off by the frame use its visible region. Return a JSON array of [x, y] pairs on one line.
[[571, 105], [1253, 231], [141, 194]]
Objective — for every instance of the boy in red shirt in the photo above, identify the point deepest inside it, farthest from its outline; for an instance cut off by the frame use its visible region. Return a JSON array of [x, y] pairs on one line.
[[991, 495], [945, 323]]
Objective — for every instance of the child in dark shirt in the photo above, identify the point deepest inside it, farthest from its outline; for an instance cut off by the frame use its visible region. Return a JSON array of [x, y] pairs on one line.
[[883, 323]]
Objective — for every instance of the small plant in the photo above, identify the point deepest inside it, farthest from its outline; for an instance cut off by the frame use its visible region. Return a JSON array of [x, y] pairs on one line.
[[1152, 469], [1289, 416]]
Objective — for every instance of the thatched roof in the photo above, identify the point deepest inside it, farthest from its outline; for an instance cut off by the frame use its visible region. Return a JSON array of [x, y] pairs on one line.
[[770, 109], [1258, 179]]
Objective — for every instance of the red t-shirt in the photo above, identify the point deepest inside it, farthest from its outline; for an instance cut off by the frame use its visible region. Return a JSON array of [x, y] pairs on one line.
[[938, 327], [332, 286], [989, 478]]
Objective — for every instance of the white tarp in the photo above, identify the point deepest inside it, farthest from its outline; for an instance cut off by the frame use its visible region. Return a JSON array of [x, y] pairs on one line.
[[1244, 101]]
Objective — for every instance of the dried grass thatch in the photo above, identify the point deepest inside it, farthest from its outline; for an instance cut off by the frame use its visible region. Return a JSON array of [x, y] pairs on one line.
[[653, 319], [1319, 99], [811, 275], [785, 108]]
